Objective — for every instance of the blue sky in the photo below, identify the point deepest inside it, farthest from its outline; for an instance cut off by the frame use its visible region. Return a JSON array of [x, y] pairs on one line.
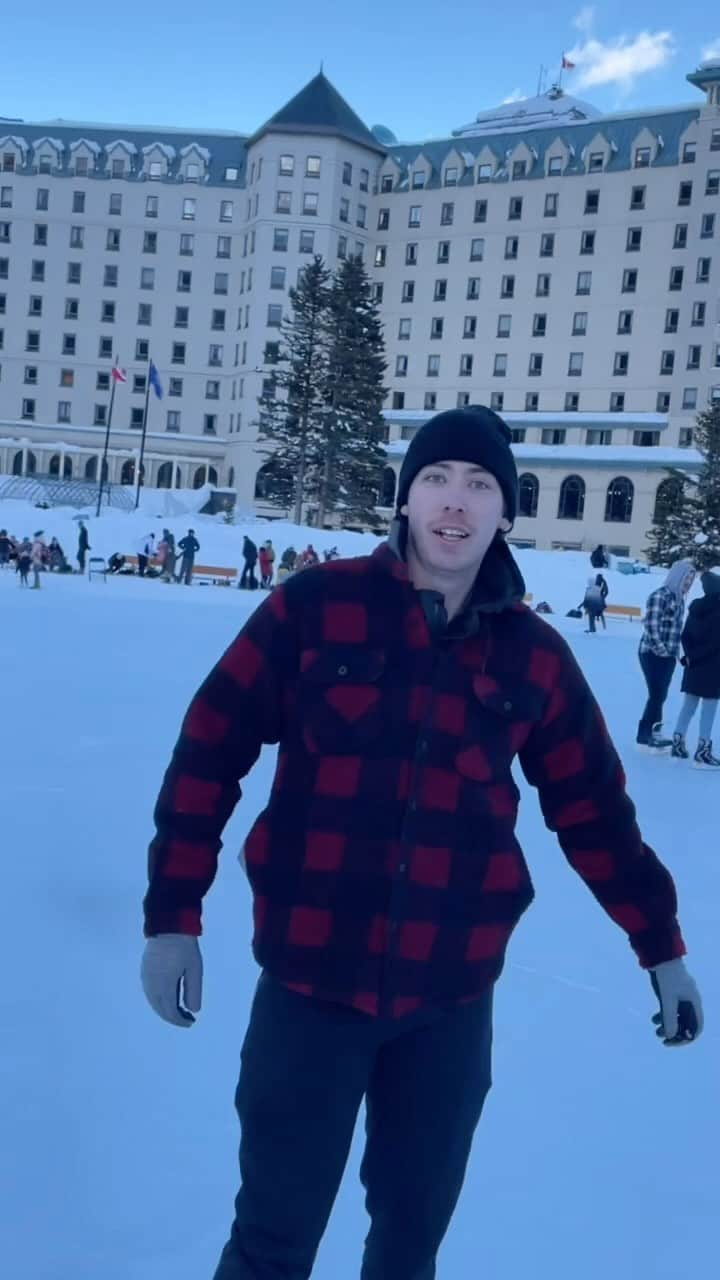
[[422, 68]]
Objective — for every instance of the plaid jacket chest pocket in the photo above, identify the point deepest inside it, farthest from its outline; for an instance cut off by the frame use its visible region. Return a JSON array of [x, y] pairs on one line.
[[499, 722], [340, 699]]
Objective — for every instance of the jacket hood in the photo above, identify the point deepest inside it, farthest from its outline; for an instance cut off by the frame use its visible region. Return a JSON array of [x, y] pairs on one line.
[[677, 575]]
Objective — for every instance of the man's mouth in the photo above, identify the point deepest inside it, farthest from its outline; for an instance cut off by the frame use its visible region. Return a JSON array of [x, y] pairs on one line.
[[451, 533]]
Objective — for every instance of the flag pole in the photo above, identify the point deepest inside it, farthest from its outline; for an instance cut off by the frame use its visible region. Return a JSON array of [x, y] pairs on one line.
[[103, 464], [139, 476]]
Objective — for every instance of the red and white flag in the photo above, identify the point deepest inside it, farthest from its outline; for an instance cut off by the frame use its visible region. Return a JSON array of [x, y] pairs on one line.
[[567, 65], [119, 375]]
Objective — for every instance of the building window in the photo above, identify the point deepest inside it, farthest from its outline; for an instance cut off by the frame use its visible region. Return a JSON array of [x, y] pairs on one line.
[[72, 308], [110, 276], [6, 197], [28, 410], [450, 176], [31, 374], [42, 198], [617, 401], [67, 377], [35, 307], [547, 245], [466, 366], [378, 291], [443, 252], [504, 325], [535, 366], [555, 166], [477, 249], [100, 415], [310, 203], [571, 504], [364, 182], [107, 312], [629, 280], [226, 210], [587, 242], [150, 239], [398, 399], [433, 366], [306, 243], [637, 198], [707, 226], [528, 494], [447, 215], [642, 157], [685, 193], [437, 325], [415, 215], [283, 202], [212, 389], [592, 201], [274, 315], [440, 293], [532, 402], [408, 291], [500, 365], [418, 180], [646, 439], [497, 401], [689, 152], [621, 363], [383, 221], [694, 356], [182, 317], [515, 208], [41, 233], [572, 401], [619, 501], [584, 282], [462, 399], [512, 245], [112, 242], [698, 314], [286, 166], [542, 288], [672, 318], [575, 364], [224, 244], [507, 287], [539, 327], [342, 247], [277, 278], [77, 237], [712, 183], [551, 204], [579, 324], [596, 161], [429, 402], [175, 386], [470, 327], [473, 288], [105, 350], [633, 243], [480, 214], [404, 328], [703, 270], [69, 344], [344, 210], [172, 420], [312, 167]]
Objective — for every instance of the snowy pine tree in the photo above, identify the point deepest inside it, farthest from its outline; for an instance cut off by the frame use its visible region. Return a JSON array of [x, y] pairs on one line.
[[354, 455], [674, 520], [293, 403], [687, 520]]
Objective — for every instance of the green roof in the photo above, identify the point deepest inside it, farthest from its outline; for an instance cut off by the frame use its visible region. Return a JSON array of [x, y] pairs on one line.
[[320, 109]]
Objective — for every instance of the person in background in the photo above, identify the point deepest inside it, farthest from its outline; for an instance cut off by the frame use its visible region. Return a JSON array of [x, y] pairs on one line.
[[4, 548], [39, 558], [599, 558], [167, 555], [659, 648], [604, 591], [189, 546], [83, 546], [308, 557], [23, 560], [266, 556], [593, 604], [250, 557], [386, 874], [146, 549], [701, 675], [56, 556]]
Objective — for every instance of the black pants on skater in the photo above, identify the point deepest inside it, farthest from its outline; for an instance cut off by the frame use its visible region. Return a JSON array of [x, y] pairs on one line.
[[247, 577], [306, 1066], [658, 673]]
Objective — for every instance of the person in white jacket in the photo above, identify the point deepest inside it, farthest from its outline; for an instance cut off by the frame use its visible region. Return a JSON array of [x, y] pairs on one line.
[[146, 550]]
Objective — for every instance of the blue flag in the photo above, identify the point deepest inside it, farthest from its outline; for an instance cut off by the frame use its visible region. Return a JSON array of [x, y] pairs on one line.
[[154, 380]]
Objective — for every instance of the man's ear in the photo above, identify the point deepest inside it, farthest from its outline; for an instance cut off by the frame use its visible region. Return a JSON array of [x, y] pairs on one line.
[[505, 525], [403, 510]]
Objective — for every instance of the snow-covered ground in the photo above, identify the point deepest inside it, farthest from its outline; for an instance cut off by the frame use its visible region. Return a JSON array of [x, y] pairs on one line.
[[597, 1155]]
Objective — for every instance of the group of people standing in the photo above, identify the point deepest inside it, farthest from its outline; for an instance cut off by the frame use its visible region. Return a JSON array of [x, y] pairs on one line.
[[290, 562], [666, 632], [166, 553]]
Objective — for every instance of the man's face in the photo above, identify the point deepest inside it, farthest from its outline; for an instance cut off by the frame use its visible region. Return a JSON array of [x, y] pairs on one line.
[[454, 510], [688, 581]]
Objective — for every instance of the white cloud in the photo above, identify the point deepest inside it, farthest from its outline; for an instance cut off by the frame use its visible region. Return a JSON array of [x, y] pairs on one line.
[[517, 95], [620, 61], [585, 19], [711, 51]]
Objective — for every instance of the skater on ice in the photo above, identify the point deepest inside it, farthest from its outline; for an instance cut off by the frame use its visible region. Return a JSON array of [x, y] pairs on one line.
[[386, 874], [701, 674], [659, 649]]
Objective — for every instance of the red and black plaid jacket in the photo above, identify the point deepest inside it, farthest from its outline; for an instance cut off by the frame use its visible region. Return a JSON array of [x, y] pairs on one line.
[[385, 869]]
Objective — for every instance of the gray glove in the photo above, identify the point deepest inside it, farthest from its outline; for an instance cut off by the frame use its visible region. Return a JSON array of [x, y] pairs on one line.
[[172, 969], [680, 1020]]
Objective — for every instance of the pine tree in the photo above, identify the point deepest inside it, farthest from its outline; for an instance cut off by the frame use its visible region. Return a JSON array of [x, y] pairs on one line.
[[687, 523], [353, 452], [293, 422]]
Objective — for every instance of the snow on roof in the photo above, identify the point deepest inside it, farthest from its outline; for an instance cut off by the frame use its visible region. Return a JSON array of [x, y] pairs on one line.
[[198, 150], [122, 142], [163, 147], [86, 142], [56, 143], [14, 141], [650, 459]]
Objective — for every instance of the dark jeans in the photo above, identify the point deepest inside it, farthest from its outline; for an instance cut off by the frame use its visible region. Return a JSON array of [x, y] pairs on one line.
[[186, 570], [305, 1068], [658, 673], [247, 578], [142, 565], [81, 560]]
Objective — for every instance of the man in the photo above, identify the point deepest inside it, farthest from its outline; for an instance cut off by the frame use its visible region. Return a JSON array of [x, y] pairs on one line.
[[83, 546], [659, 649], [386, 875], [250, 558], [146, 550], [189, 546]]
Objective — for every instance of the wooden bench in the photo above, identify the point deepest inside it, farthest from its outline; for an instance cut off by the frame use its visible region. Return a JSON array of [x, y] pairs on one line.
[[629, 611], [203, 572]]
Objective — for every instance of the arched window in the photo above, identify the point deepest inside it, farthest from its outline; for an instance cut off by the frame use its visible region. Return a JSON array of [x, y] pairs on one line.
[[54, 468], [231, 477], [263, 479], [199, 477], [164, 476], [387, 492], [127, 475], [178, 478], [17, 463], [572, 498], [91, 468], [619, 501], [212, 475], [668, 495], [528, 493]]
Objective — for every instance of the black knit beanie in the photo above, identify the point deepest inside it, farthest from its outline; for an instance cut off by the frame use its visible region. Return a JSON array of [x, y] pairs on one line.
[[473, 434]]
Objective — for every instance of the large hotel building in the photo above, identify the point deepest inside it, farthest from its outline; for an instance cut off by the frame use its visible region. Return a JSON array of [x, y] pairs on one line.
[[551, 261]]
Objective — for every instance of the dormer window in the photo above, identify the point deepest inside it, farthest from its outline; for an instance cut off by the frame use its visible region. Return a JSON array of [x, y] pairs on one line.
[[418, 179], [555, 166], [192, 172], [484, 172], [451, 176]]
